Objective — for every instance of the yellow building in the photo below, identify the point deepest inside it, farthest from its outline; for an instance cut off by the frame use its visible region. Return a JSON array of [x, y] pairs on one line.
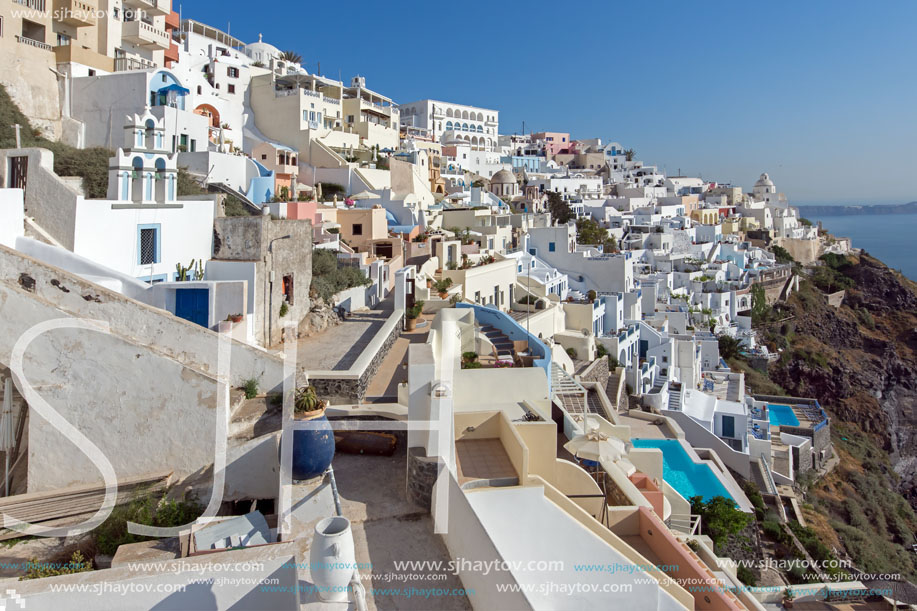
[[706, 216]]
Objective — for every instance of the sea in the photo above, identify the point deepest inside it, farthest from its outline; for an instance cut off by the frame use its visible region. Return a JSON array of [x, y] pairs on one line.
[[891, 238]]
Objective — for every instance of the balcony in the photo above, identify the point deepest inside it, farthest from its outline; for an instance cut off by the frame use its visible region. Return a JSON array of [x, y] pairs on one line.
[[173, 22], [33, 43], [82, 55], [145, 35], [76, 13], [154, 8]]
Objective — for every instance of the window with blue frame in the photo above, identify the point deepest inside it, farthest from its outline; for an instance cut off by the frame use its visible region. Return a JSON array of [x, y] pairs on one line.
[[552, 246], [148, 244]]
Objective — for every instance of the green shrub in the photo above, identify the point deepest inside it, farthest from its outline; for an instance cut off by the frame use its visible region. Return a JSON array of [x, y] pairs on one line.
[[330, 277], [250, 386], [284, 309], [150, 510], [746, 575], [77, 564], [719, 517], [572, 353], [233, 206]]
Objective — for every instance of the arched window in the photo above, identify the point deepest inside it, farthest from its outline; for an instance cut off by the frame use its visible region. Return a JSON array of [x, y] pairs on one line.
[[480, 129], [137, 179], [464, 127], [448, 126], [480, 116], [464, 114], [474, 140], [150, 126], [448, 112]]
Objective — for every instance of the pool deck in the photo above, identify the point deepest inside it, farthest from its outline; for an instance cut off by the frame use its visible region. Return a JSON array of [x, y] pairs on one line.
[[644, 429]]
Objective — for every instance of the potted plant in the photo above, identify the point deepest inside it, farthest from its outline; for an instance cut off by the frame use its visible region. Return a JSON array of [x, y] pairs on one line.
[[235, 318], [788, 597], [313, 446], [412, 314], [442, 287], [429, 283]]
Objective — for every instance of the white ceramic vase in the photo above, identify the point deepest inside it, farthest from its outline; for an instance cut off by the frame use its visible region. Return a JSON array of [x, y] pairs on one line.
[[332, 559]]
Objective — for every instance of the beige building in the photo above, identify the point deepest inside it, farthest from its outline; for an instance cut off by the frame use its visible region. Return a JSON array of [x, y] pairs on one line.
[[43, 43], [360, 227]]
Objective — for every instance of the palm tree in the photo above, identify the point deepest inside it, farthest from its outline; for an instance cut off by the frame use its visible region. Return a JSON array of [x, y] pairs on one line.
[[291, 56], [629, 154]]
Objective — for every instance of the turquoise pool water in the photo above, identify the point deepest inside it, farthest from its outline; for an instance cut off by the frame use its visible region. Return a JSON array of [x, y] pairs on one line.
[[686, 476], [781, 414]]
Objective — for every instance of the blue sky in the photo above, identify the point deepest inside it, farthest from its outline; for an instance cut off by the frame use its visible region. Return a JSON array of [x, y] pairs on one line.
[[822, 95]]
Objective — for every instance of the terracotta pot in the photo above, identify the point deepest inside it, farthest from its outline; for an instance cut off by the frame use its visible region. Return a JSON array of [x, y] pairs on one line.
[[237, 318], [443, 295], [429, 283], [410, 324]]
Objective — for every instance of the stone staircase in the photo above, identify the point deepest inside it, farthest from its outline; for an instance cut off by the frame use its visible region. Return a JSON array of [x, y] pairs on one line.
[[502, 344], [674, 398]]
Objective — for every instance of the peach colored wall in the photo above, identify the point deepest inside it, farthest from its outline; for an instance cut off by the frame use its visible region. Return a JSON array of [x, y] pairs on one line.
[[302, 210], [649, 490], [686, 569]]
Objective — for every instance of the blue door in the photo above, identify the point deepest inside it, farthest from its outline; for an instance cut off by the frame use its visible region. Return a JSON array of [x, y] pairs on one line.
[[192, 305], [729, 427]]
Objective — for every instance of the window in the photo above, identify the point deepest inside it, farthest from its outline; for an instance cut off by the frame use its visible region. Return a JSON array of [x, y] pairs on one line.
[[357, 229], [263, 157], [92, 72], [288, 289], [665, 359], [552, 246], [62, 40], [230, 88], [198, 90], [232, 72], [148, 244]]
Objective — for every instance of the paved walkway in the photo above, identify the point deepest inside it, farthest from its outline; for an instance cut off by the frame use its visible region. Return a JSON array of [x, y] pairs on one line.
[[384, 385], [337, 348]]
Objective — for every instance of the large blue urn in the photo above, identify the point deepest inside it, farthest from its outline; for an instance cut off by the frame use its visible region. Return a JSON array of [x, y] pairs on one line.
[[313, 447]]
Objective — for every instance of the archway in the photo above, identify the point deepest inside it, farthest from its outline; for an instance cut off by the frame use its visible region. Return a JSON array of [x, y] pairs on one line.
[[212, 114]]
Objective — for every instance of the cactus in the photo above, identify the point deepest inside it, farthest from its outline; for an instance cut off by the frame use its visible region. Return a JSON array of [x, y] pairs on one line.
[[181, 271], [306, 400]]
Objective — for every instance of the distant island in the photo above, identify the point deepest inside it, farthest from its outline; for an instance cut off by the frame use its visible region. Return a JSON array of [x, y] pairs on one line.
[[816, 211]]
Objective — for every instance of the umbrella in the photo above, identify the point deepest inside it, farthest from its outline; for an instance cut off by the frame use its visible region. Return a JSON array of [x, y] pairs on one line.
[[364, 195], [596, 446], [7, 441]]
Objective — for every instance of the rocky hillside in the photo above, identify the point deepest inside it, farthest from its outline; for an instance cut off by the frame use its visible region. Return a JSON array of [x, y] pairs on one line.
[[860, 361]]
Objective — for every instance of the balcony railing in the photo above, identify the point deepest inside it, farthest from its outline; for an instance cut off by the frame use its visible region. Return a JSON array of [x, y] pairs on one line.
[[145, 34], [124, 64], [75, 12], [33, 43], [152, 7]]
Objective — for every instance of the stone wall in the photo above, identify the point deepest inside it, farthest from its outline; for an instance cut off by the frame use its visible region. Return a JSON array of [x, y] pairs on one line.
[[597, 372], [350, 386], [422, 474]]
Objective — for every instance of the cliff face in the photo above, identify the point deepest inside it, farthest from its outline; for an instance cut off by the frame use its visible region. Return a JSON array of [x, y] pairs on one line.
[[860, 361]]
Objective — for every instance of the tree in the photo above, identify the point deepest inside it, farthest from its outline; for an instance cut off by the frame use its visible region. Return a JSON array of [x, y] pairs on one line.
[[559, 209], [611, 244], [782, 255], [291, 56], [588, 231], [759, 307], [729, 346], [629, 154], [719, 517]]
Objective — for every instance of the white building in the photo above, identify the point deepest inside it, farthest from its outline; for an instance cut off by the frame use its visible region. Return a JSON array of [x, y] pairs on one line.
[[445, 121]]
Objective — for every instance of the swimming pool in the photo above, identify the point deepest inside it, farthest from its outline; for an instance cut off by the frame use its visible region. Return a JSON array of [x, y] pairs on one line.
[[780, 414], [686, 476]]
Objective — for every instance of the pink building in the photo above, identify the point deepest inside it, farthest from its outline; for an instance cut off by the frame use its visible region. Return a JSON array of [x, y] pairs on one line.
[[554, 142]]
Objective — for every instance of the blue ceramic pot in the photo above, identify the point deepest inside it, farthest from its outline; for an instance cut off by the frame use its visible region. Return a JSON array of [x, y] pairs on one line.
[[313, 449]]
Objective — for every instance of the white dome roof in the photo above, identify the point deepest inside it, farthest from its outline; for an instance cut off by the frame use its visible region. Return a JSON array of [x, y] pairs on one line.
[[503, 177], [764, 181]]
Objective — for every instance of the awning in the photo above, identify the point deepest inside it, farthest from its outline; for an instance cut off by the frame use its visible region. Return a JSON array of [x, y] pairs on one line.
[[176, 88]]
